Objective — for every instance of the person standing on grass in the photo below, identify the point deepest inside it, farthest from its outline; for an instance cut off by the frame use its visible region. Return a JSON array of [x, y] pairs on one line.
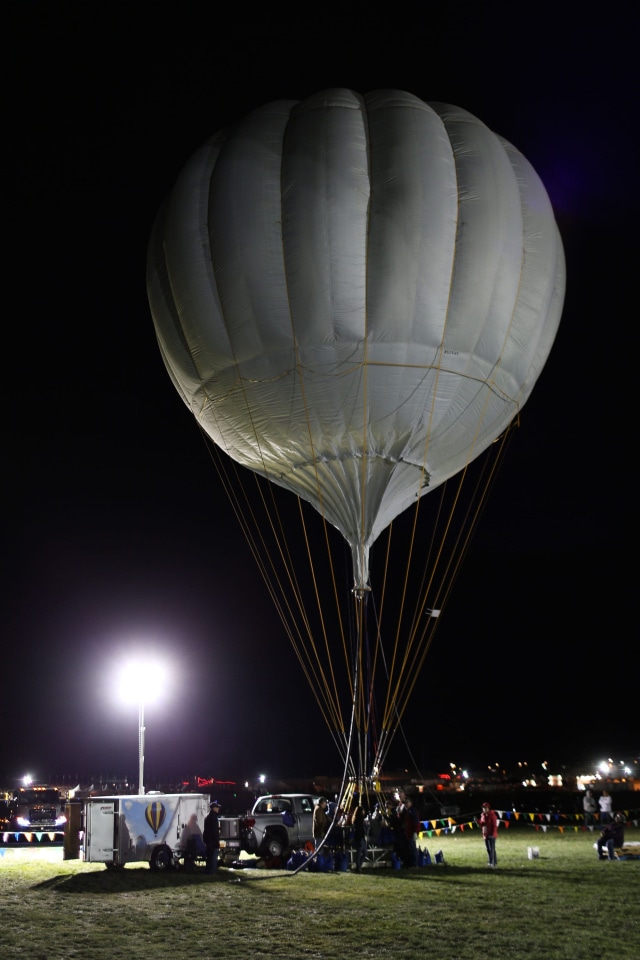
[[408, 827], [489, 823], [605, 803], [211, 836], [359, 837], [589, 807], [321, 822]]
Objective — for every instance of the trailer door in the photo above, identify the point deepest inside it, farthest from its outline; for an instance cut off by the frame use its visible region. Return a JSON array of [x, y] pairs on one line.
[[100, 826]]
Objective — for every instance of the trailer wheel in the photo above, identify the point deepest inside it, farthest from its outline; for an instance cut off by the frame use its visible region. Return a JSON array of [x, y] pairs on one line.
[[161, 858]]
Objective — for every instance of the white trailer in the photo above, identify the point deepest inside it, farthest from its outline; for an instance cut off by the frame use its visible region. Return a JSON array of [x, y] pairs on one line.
[[153, 827]]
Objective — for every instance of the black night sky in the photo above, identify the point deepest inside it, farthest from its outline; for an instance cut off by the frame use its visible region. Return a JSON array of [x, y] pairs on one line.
[[117, 533]]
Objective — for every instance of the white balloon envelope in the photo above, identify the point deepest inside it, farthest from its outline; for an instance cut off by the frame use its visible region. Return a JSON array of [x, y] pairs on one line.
[[355, 295]]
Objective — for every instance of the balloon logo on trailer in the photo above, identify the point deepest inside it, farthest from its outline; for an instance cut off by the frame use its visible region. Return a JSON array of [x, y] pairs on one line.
[[155, 815]]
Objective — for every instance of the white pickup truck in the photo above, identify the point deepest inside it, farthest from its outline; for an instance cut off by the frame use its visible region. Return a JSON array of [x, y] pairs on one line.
[[276, 824]]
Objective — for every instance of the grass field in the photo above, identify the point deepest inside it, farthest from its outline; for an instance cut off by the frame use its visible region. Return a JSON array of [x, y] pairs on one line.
[[565, 904]]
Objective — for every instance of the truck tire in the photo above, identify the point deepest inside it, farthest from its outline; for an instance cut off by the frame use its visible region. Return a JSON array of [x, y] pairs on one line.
[[274, 845], [161, 858]]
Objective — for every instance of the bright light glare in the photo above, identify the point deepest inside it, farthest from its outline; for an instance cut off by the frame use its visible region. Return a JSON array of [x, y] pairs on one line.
[[142, 681]]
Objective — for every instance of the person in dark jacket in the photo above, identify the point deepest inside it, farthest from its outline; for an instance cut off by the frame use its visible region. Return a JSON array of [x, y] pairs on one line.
[[211, 836], [321, 822], [408, 827], [611, 837], [360, 837]]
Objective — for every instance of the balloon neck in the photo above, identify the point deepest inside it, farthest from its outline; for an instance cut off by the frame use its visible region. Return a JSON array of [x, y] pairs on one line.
[[360, 591], [360, 556]]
